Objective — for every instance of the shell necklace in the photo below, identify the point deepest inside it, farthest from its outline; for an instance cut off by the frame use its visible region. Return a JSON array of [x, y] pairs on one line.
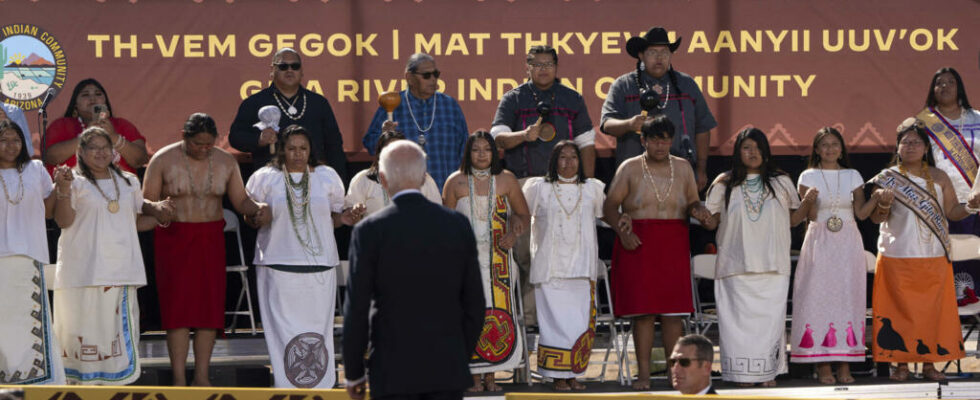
[[20, 191], [661, 200], [834, 223]]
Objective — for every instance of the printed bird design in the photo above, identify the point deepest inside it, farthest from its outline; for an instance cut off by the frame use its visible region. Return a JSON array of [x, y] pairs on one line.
[[888, 338], [940, 350], [921, 348]]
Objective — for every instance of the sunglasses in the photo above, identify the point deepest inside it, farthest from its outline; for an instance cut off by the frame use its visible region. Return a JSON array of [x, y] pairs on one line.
[[284, 66], [427, 75], [684, 362]]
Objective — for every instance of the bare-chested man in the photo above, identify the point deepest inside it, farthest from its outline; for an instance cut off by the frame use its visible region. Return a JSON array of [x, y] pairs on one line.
[[190, 244], [651, 273]]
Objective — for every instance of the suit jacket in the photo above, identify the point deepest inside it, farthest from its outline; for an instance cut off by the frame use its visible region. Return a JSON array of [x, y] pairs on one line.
[[418, 261]]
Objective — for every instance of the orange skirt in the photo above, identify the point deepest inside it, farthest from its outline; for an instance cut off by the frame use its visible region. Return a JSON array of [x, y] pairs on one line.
[[915, 313]]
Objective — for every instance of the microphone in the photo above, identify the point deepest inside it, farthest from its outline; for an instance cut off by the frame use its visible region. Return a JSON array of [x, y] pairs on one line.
[[48, 96]]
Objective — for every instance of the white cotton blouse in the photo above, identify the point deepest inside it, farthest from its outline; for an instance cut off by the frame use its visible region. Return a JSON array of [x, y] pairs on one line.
[[834, 186], [101, 248], [277, 243], [760, 246], [22, 231], [903, 235], [365, 191], [563, 246]]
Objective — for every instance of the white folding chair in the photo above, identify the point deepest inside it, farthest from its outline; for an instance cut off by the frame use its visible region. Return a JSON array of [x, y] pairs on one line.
[[605, 317], [231, 225], [964, 247], [703, 267]]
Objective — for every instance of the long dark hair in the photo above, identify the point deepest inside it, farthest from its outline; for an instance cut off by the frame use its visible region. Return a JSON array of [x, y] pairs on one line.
[[293, 130], [552, 174], [385, 138], [495, 167], [814, 160], [70, 111], [84, 140], [960, 89], [22, 158], [768, 170], [920, 130]]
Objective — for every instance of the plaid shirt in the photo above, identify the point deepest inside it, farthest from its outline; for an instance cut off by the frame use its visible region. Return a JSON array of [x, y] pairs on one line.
[[444, 141]]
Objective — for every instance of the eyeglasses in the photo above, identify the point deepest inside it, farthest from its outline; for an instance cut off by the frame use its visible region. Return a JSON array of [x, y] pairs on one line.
[[95, 149], [427, 75], [284, 66], [684, 362], [544, 65]]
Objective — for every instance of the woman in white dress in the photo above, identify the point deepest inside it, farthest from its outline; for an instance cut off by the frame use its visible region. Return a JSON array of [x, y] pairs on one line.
[[365, 188], [31, 355], [564, 260], [100, 265], [829, 299], [296, 255], [753, 205], [491, 197]]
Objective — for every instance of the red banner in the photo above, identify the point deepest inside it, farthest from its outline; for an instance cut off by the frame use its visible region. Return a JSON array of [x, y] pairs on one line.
[[788, 68]]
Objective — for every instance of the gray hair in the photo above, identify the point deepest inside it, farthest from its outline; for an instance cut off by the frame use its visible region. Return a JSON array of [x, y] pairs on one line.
[[402, 163], [703, 347], [417, 59], [284, 50]]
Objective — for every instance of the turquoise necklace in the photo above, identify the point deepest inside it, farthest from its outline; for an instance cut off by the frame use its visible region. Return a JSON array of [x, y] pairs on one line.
[[753, 197], [298, 197]]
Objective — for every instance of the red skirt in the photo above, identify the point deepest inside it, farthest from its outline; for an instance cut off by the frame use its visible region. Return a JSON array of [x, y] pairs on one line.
[[654, 278], [190, 272]]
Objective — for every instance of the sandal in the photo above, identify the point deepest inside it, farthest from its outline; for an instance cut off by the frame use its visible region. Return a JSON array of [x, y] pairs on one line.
[[576, 385], [641, 385], [771, 383], [933, 374], [824, 374], [900, 374], [561, 385]]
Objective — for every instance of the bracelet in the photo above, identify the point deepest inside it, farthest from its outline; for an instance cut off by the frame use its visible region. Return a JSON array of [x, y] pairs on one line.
[[120, 143], [167, 225], [60, 195], [883, 207]]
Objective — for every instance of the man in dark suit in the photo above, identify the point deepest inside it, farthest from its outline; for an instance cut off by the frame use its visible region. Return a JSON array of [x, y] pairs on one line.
[[690, 365], [418, 262]]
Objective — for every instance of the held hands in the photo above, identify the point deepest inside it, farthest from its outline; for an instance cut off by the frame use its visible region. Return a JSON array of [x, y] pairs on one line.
[[810, 196], [165, 210], [352, 215], [267, 137], [624, 227], [885, 197], [62, 179], [700, 213], [974, 201], [262, 217]]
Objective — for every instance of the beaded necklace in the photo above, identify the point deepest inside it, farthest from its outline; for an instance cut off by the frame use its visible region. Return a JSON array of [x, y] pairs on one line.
[[20, 191], [113, 205], [298, 203], [661, 201], [291, 111], [432, 121], [753, 187], [190, 175], [834, 223], [474, 217]]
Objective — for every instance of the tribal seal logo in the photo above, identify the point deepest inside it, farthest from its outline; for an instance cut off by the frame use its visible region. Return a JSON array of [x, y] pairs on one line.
[[305, 360], [31, 61]]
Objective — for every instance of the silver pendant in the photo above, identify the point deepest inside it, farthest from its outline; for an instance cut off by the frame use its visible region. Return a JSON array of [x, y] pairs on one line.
[[834, 223], [659, 89], [421, 139], [292, 110]]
